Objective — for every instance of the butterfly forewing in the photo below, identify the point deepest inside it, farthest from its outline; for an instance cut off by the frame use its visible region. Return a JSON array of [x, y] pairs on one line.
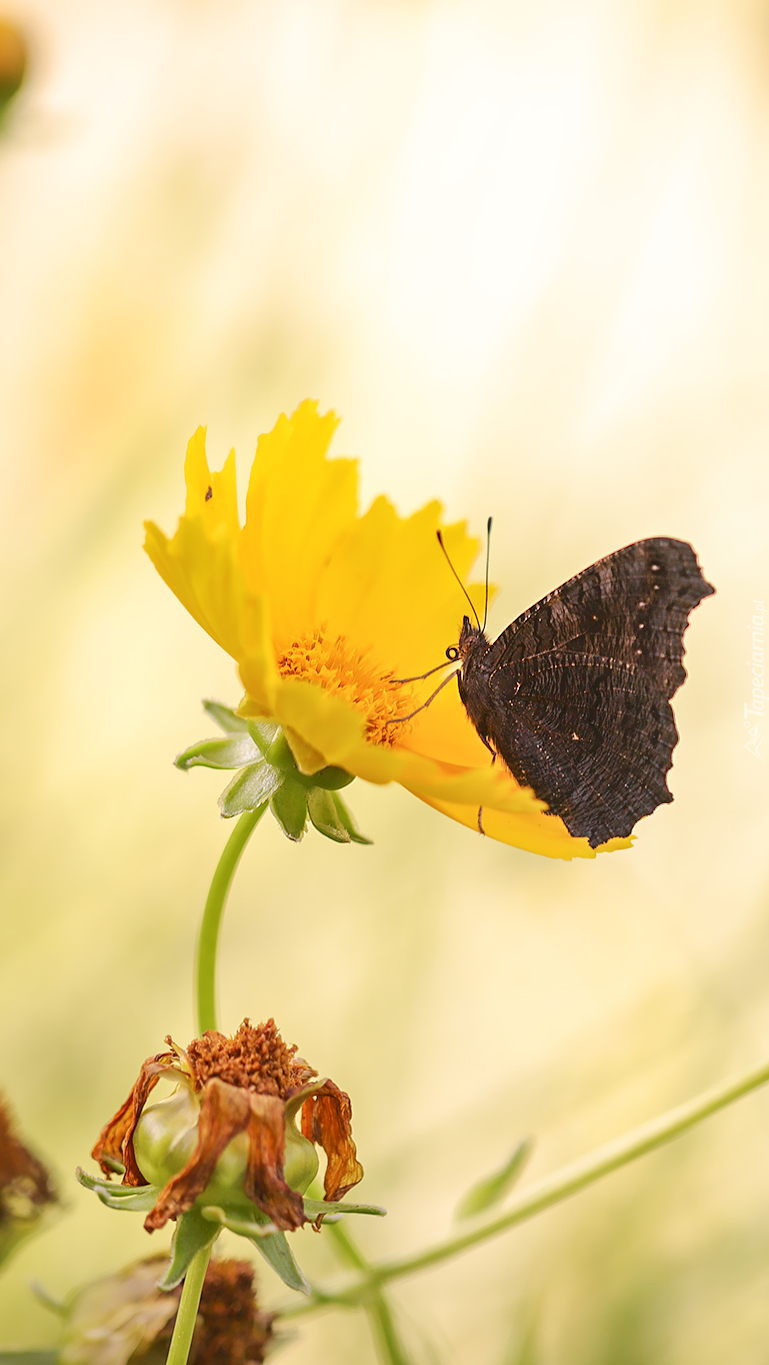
[[574, 694]]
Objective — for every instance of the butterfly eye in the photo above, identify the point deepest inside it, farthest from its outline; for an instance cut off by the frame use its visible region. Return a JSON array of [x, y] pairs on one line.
[[452, 653]]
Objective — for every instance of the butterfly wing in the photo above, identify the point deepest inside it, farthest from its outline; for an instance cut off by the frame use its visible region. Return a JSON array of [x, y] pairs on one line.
[[579, 687]]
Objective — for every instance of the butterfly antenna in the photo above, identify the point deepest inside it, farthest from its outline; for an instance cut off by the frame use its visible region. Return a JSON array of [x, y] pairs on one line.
[[488, 552], [459, 580]]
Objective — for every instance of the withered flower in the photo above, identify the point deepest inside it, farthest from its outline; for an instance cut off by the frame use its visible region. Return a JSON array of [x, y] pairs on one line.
[[25, 1187], [228, 1135], [125, 1318]]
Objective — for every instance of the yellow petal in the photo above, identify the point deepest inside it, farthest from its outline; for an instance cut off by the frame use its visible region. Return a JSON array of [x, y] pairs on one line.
[[535, 832], [298, 504]]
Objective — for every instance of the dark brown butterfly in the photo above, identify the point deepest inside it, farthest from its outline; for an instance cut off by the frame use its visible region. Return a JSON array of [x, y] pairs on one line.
[[574, 695]]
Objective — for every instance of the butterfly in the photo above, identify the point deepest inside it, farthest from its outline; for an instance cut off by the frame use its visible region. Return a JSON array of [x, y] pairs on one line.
[[574, 696]]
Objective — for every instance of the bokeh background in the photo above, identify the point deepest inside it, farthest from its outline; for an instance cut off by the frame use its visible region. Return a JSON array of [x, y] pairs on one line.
[[523, 250]]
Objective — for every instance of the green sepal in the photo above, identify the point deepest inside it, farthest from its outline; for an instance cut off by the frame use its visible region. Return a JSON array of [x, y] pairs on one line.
[[315, 1208], [274, 1248], [345, 819], [234, 752], [114, 1164], [227, 719], [250, 788], [244, 1227], [48, 1300], [493, 1188], [263, 733], [280, 755], [330, 779], [132, 1198], [289, 806], [192, 1233], [323, 813]]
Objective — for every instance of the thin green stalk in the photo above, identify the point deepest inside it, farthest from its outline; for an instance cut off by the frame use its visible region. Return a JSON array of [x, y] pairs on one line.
[[187, 1312], [205, 968], [579, 1174], [383, 1329], [553, 1189]]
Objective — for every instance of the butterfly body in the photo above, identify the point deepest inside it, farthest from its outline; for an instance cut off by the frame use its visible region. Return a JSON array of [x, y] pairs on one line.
[[574, 695]]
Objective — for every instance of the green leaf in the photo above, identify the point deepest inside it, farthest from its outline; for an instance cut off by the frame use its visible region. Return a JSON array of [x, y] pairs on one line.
[[250, 788], [493, 1188], [323, 813], [289, 806], [345, 819], [274, 1248], [226, 718], [315, 1207], [234, 752], [191, 1234], [133, 1198]]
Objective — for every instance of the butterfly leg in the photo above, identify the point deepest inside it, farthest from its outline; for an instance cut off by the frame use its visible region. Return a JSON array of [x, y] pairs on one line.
[[493, 753], [398, 720]]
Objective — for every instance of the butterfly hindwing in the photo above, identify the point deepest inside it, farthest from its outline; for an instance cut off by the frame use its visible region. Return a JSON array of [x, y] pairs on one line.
[[574, 694]]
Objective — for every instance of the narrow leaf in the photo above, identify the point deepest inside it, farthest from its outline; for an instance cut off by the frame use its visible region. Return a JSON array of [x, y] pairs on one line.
[[250, 788], [234, 752], [345, 818], [226, 718], [315, 1207], [493, 1188], [191, 1234], [323, 813]]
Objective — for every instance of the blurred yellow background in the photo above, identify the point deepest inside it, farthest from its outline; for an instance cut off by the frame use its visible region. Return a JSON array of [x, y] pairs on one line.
[[523, 250]]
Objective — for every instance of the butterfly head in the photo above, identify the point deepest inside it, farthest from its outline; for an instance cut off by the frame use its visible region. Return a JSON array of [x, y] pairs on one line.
[[472, 640]]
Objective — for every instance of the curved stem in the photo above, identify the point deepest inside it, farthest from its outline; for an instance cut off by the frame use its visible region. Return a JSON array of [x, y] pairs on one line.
[[554, 1188], [585, 1171], [205, 967], [187, 1311], [384, 1330]]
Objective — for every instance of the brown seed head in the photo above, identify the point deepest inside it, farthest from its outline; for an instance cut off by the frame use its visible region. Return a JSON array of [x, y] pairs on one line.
[[254, 1059], [25, 1185]]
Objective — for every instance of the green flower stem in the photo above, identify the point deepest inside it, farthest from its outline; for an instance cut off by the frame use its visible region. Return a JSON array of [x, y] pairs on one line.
[[561, 1185], [205, 968], [187, 1312], [384, 1331]]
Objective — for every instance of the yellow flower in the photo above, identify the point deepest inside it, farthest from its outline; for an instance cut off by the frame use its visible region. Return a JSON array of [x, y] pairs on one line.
[[324, 609]]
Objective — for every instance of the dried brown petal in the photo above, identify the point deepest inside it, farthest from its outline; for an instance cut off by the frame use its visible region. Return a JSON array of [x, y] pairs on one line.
[[116, 1137], [326, 1119], [265, 1183]]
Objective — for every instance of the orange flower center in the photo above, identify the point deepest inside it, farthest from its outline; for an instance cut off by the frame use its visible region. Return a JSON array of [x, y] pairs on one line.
[[337, 667]]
